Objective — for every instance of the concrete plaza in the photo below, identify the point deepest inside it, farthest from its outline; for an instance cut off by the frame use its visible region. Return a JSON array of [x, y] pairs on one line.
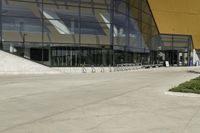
[[120, 102]]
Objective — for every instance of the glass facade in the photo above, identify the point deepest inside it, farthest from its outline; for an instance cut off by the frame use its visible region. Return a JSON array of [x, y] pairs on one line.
[[65, 33], [177, 49]]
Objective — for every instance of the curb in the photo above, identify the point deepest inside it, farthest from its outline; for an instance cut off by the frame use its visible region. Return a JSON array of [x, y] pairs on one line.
[[179, 94]]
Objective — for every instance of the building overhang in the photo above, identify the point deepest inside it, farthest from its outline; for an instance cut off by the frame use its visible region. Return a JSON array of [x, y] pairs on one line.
[[178, 17]]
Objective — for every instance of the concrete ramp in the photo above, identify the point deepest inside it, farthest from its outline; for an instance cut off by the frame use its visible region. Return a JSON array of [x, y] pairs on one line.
[[11, 64]]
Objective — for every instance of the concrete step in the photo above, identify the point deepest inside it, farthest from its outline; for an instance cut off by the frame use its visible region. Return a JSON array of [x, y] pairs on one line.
[[11, 64]]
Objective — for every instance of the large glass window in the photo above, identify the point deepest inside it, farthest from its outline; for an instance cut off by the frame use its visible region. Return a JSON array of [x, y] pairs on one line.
[[77, 32]]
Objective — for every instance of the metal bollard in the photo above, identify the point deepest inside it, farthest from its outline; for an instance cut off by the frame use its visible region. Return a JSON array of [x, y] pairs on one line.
[[93, 69], [84, 70], [110, 69]]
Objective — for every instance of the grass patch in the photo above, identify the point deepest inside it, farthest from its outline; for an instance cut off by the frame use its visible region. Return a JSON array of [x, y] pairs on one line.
[[192, 86]]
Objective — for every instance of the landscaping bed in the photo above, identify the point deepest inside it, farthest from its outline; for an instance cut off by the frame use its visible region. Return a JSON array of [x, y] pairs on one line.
[[192, 86]]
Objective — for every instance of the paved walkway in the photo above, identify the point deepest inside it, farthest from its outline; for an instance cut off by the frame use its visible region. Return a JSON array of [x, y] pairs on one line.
[[122, 102]]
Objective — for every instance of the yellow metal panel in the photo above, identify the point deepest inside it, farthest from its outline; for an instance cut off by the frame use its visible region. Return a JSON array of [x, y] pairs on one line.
[[178, 17]]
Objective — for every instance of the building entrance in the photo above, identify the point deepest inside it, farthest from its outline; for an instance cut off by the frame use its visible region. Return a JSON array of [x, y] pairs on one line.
[[177, 58], [176, 49], [172, 57]]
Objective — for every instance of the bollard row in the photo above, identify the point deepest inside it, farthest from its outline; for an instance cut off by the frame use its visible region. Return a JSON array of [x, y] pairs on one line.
[[119, 67]]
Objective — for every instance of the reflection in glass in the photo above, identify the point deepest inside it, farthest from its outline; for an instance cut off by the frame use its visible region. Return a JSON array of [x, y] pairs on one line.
[[80, 32]]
